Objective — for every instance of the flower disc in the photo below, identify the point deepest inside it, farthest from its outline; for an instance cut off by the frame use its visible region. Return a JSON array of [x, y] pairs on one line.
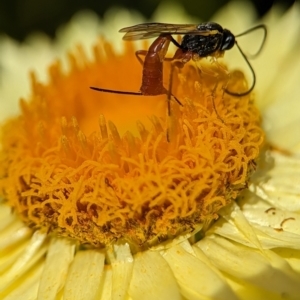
[[100, 167]]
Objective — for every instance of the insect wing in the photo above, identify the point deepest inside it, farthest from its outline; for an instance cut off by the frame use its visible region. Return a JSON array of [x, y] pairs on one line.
[[139, 35], [151, 30]]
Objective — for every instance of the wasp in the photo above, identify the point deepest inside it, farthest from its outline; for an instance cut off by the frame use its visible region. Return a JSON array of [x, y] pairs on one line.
[[199, 40]]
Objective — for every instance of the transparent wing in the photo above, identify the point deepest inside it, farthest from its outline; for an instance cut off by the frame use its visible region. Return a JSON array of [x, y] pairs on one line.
[[150, 30]]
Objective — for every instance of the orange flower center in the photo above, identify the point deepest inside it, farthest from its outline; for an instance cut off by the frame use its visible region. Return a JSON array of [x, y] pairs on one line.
[[98, 167]]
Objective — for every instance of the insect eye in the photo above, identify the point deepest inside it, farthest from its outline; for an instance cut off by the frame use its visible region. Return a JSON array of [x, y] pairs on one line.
[[228, 40]]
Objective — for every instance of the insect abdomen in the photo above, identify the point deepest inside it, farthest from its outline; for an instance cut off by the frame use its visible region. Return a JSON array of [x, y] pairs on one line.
[[152, 82]]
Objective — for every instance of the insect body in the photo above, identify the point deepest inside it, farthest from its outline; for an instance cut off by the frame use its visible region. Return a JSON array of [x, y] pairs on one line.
[[202, 40], [152, 78], [213, 39]]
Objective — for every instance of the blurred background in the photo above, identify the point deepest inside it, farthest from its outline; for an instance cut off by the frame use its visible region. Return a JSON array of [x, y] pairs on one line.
[[18, 18]]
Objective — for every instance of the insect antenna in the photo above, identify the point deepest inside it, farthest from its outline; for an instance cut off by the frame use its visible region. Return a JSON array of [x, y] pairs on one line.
[[247, 57], [253, 75], [264, 28], [115, 91]]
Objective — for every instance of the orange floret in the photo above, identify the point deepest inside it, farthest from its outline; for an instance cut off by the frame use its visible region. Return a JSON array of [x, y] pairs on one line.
[[98, 167]]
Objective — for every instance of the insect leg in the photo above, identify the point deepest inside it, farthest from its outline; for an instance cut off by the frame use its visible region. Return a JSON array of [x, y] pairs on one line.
[[169, 90], [140, 52], [115, 91], [178, 60], [175, 42], [178, 64], [137, 53]]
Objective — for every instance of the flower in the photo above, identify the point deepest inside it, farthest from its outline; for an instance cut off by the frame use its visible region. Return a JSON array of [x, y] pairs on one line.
[[79, 180]]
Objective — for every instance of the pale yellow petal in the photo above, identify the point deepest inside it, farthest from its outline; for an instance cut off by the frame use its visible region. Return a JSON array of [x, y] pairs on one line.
[[269, 237], [6, 216], [233, 17], [281, 41], [13, 233], [152, 278], [10, 255], [292, 256], [84, 275], [27, 258], [195, 278], [60, 255], [28, 288], [274, 218], [105, 287], [172, 12], [281, 183], [262, 269], [122, 267], [233, 215]]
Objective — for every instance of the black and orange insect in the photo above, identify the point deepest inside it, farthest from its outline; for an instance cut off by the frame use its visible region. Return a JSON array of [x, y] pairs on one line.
[[202, 40]]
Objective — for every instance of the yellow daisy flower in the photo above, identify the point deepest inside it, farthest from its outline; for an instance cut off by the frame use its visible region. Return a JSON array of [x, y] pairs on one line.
[[105, 196]]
